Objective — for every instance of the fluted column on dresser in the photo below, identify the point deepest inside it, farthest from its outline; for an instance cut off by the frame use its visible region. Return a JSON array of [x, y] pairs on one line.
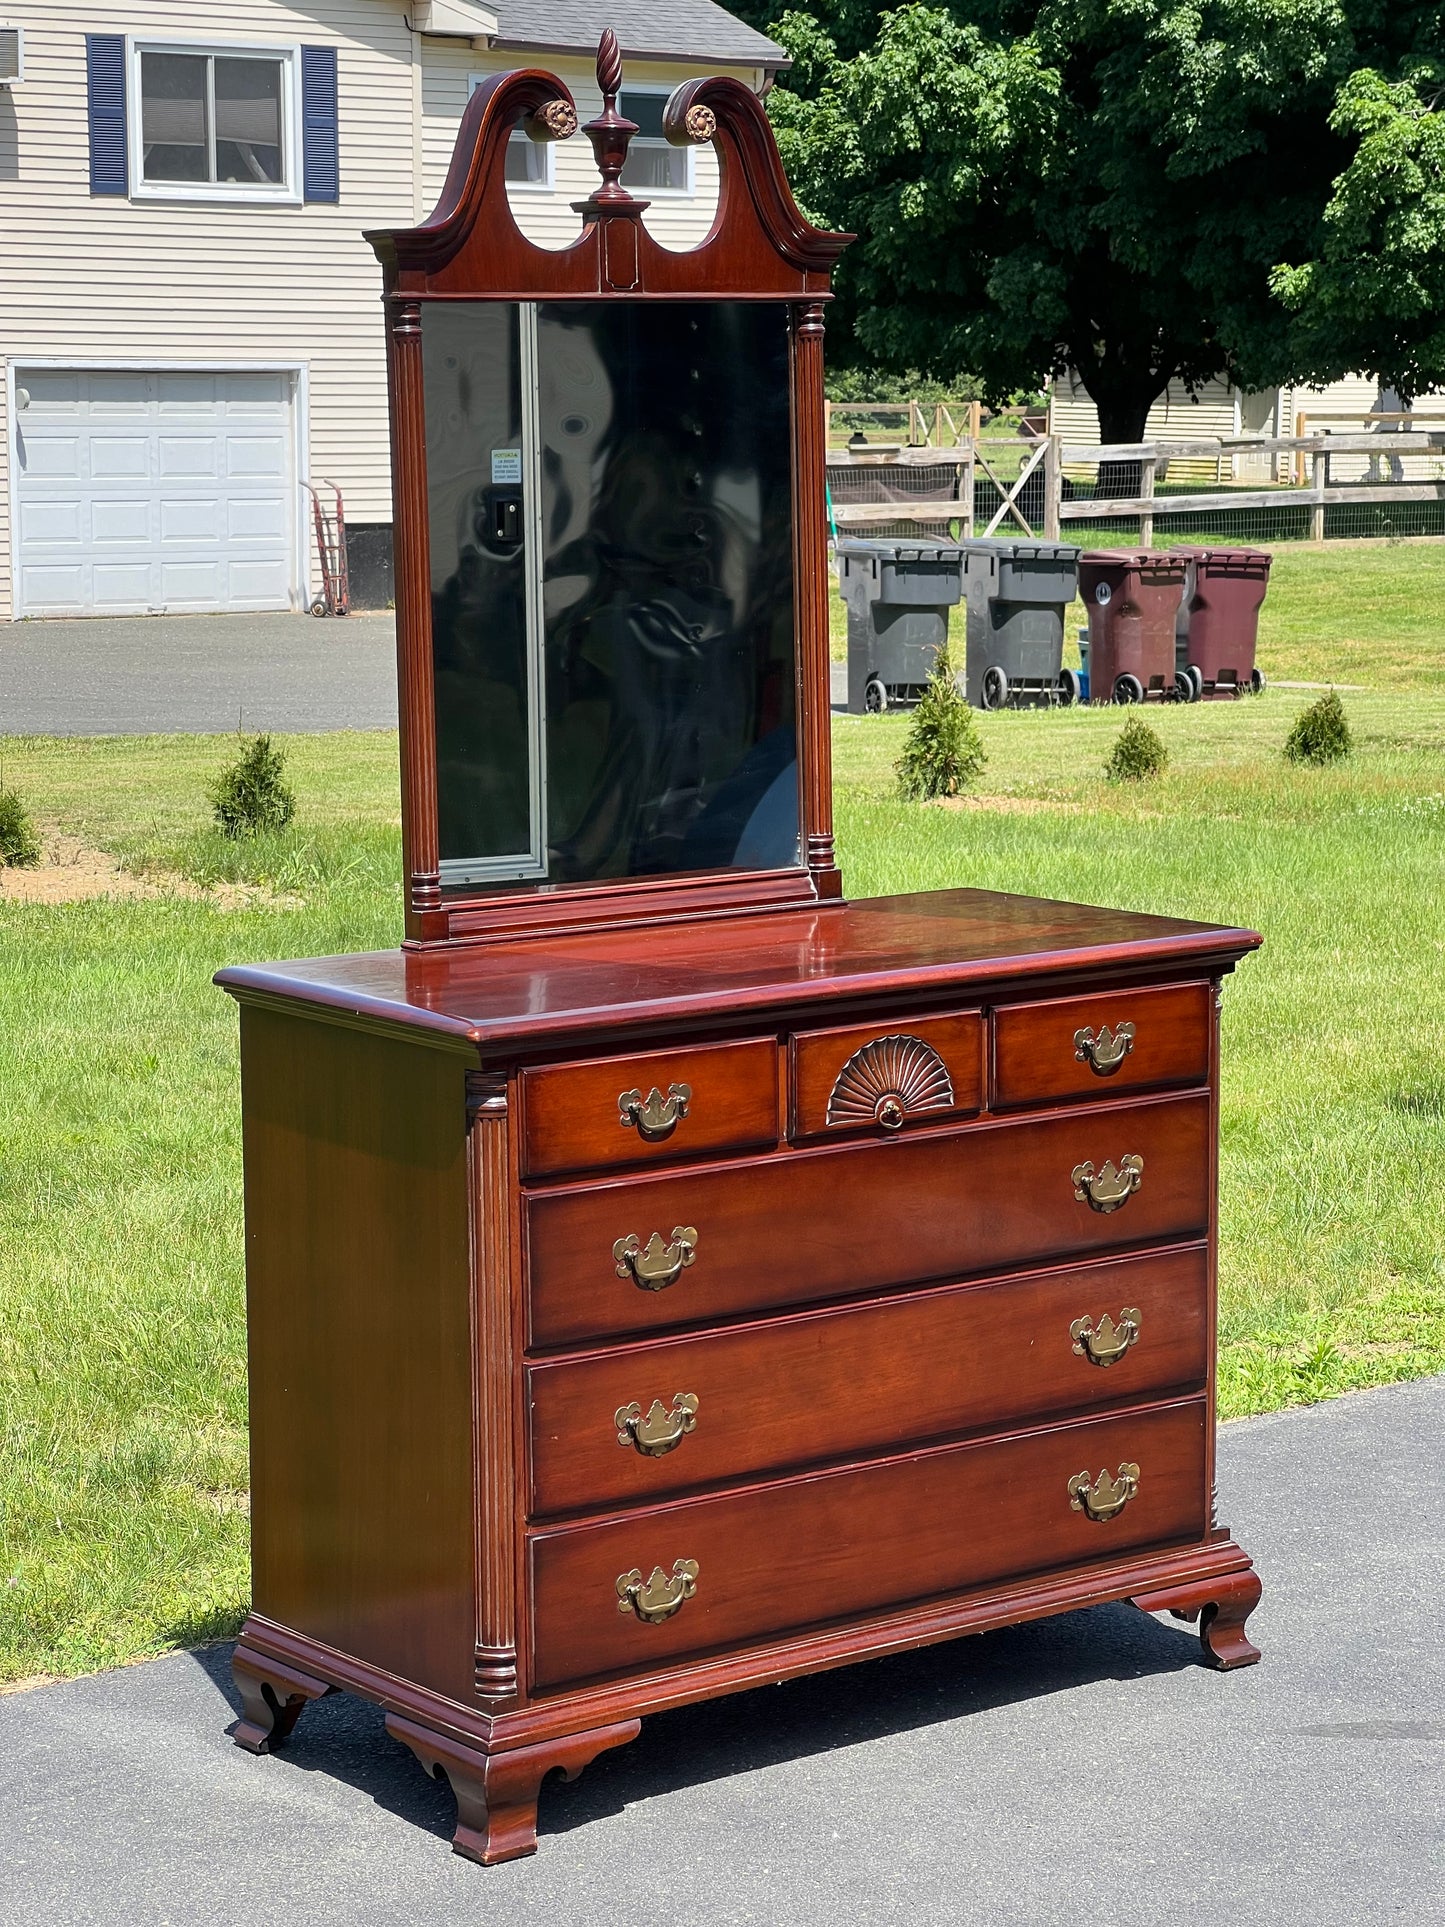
[[810, 579], [493, 1390], [411, 547]]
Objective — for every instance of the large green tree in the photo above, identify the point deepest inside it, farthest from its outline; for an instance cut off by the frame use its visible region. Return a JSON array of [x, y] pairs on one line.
[[1137, 189]]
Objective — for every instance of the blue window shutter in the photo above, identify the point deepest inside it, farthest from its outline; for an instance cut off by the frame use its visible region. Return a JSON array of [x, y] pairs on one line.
[[320, 164], [105, 98]]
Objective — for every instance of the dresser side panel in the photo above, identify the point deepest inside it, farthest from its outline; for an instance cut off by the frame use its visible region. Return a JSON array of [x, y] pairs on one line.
[[360, 1344]]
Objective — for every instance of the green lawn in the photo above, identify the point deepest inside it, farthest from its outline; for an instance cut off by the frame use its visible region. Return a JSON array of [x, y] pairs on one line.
[[122, 1385]]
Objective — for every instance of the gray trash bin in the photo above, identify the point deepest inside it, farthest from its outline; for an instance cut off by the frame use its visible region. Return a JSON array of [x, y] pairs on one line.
[[1017, 594], [898, 594]]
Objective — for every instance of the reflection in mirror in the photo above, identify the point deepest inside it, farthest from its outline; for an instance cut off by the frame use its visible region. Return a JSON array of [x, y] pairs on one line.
[[611, 588]]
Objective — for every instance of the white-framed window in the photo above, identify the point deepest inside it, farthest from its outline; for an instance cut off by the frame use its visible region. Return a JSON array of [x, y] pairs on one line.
[[653, 163], [211, 122], [529, 162]]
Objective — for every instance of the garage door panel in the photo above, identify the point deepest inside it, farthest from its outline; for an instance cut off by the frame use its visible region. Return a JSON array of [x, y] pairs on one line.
[[255, 585], [119, 393], [47, 456], [256, 457], [253, 396], [60, 586], [127, 522], [199, 518], [188, 455], [192, 581], [141, 491], [120, 458], [257, 518], [121, 587], [56, 520], [52, 393], [191, 395]]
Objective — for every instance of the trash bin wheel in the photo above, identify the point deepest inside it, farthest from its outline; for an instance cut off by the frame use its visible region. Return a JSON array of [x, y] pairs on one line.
[[875, 696], [1128, 689], [1188, 684], [995, 687], [1257, 680], [1071, 687]]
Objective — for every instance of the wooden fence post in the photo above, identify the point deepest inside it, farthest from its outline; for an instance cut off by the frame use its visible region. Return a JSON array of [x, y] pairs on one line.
[[1053, 487], [1147, 474], [1317, 506]]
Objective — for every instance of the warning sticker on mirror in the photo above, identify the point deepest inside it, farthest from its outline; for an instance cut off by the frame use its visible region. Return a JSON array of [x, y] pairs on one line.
[[506, 465]]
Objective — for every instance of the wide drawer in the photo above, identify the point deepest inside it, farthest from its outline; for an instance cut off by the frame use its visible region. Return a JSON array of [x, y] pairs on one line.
[[1101, 1046], [881, 1077], [653, 1107], [745, 1566], [640, 1254], [640, 1422]]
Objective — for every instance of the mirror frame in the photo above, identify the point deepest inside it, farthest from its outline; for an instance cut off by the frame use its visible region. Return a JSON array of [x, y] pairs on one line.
[[760, 248]]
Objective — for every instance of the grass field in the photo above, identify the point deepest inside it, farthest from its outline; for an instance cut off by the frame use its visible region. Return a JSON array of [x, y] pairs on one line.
[[122, 1379]]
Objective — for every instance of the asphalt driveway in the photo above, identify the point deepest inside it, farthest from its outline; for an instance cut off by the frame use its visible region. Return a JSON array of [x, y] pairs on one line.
[[205, 675], [197, 675], [1081, 1771]]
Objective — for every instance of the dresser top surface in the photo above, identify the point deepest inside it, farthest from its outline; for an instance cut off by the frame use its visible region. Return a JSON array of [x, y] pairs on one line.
[[550, 990]]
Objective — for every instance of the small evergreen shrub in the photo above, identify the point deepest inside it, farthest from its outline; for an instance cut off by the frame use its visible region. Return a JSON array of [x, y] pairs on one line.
[[942, 753], [1321, 733], [1137, 755], [249, 797], [19, 844]]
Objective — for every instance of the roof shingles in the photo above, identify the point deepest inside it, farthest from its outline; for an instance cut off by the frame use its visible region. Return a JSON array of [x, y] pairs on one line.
[[689, 29]]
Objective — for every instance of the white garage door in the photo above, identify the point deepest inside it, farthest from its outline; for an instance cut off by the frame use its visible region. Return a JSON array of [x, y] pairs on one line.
[[149, 492]]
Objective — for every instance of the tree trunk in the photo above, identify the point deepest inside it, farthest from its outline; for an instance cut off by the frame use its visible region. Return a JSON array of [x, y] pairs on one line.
[[1122, 420]]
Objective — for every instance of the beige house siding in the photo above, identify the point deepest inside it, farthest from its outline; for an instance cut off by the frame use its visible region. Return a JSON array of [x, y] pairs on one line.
[[109, 279], [94, 278], [1175, 416]]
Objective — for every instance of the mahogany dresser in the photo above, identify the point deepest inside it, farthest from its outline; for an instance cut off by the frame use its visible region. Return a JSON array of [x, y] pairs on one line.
[[665, 1277]]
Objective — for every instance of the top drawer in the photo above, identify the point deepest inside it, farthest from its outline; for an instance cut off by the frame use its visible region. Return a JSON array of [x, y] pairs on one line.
[[1096, 1046], [652, 1108]]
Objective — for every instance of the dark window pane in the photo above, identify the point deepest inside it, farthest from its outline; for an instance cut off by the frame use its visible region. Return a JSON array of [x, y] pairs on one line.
[[174, 141], [526, 158], [646, 111], [248, 121], [654, 166], [667, 530], [479, 628]]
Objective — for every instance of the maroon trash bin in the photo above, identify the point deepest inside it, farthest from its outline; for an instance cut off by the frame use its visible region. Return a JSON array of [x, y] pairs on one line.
[[1219, 617], [1133, 597]]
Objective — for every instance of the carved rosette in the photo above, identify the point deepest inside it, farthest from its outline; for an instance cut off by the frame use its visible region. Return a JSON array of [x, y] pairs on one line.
[[558, 118], [888, 1080]]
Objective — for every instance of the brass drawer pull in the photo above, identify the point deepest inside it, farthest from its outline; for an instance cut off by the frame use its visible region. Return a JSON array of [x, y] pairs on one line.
[[1102, 1498], [1111, 1188], [1104, 1050], [655, 1116], [657, 1434], [1106, 1342], [655, 1265], [663, 1594]]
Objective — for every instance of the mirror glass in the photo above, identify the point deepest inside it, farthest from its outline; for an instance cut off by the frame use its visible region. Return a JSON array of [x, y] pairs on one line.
[[612, 592]]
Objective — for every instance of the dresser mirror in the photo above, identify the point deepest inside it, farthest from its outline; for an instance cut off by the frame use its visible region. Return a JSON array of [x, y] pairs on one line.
[[612, 629]]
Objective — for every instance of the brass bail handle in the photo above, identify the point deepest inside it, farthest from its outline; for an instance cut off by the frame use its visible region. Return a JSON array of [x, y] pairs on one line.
[[1106, 1342], [660, 1596], [1104, 1050], [657, 1264], [1111, 1188], [661, 1431], [653, 1117], [1104, 1498]]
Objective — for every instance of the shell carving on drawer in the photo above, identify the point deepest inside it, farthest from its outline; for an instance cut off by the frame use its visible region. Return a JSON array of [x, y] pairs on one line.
[[888, 1080]]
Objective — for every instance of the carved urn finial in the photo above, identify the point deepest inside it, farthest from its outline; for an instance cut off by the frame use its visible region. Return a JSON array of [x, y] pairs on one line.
[[611, 133]]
